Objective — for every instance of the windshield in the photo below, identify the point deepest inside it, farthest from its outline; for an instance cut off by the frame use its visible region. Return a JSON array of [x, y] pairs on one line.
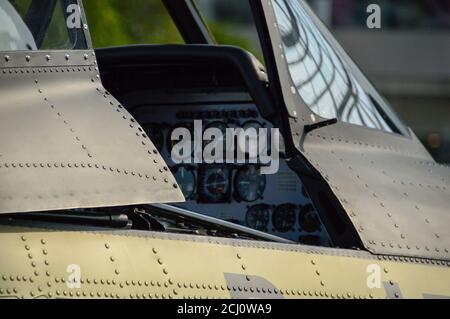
[[41, 25], [321, 75], [144, 22], [231, 22]]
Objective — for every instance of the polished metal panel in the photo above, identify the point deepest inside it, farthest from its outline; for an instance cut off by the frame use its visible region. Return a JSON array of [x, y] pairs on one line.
[[67, 143]]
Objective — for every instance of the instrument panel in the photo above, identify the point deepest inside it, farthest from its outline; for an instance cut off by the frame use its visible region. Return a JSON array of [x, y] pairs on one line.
[[239, 193]]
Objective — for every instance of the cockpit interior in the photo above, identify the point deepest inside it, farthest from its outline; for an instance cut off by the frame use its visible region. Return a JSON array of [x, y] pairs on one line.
[[168, 87]]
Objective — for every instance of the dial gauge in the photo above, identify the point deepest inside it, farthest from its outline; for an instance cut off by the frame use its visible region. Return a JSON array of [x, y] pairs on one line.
[[214, 184], [156, 135], [250, 184], [284, 217], [186, 179], [222, 127], [308, 219], [258, 217], [249, 144]]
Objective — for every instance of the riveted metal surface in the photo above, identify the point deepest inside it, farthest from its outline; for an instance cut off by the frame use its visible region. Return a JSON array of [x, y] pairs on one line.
[[131, 265], [396, 196], [358, 254], [66, 142], [251, 287], [47, 59], [392, 290], [428, 296]]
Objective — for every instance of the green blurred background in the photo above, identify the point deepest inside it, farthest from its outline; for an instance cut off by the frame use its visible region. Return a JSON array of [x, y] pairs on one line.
[[118, 22]]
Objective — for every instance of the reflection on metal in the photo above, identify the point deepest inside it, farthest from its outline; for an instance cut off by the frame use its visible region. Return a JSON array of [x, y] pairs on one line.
[[251, 287], [392, 290], [319, 75]]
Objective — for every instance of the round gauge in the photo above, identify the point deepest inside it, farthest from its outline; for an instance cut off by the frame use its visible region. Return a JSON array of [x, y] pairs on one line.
[[250, 184], [283, 218], [214, 184], [186, 179], [156, 135], [258, 217], [249, 144], [222, 127], [308, 219], [184, 154]]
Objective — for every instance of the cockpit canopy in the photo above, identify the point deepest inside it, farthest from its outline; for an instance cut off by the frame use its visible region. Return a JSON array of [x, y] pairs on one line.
[[41, 25]]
